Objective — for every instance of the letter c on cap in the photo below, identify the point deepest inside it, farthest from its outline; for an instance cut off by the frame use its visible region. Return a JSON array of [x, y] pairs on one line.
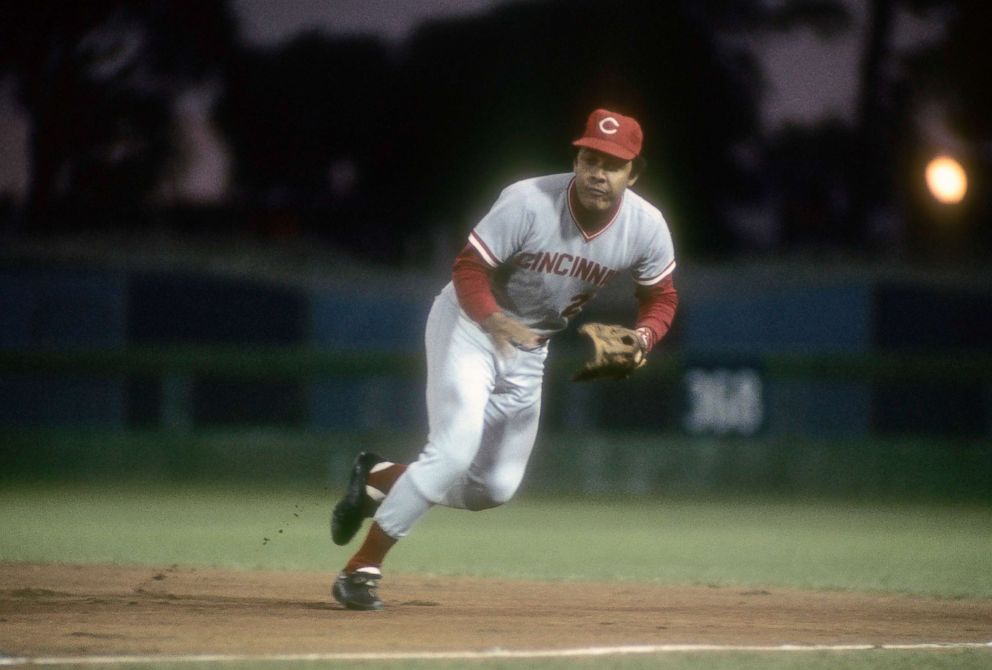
[[609, 126]]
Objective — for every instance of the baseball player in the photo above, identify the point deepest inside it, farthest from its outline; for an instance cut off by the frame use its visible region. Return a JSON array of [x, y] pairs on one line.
[[541, 253]]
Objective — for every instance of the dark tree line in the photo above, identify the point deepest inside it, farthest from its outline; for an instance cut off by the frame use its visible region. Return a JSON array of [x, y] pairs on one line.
[[374, 147], [859, 186], [97, 80], [435, 130]]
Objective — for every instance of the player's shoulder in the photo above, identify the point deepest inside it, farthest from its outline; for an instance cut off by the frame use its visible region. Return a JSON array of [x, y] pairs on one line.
[[538, 190], [641, 209]]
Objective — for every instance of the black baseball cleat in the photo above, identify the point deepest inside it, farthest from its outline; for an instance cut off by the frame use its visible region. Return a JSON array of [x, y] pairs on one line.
[[357, 591], [355, 505]]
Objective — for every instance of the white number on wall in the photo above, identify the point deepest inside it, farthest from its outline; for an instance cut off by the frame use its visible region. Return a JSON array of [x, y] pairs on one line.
[[723, 401]]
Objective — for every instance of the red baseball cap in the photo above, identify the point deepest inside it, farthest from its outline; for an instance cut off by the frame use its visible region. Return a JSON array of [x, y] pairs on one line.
[[613, 134]]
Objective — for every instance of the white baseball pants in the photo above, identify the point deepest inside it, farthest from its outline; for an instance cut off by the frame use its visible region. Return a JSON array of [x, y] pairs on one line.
[[482, 410]]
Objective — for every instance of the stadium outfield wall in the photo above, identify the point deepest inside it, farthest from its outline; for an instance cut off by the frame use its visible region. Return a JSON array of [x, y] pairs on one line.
[[762, 355]]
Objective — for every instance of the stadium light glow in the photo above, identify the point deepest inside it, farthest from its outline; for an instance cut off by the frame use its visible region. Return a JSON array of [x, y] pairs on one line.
[[946, 180]]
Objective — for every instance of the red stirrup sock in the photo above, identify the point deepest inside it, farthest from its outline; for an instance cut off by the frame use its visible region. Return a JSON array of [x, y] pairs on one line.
[[381, 477], [372, 552]]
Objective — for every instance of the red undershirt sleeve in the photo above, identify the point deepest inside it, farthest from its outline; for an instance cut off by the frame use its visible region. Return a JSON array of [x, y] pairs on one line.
[[471, 277], [656, 309]]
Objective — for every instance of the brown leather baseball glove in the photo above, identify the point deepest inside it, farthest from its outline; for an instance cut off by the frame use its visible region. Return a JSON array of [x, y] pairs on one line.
[[618, 351]]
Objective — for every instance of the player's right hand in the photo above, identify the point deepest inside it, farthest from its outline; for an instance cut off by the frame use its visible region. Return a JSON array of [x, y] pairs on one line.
[[507, 333]]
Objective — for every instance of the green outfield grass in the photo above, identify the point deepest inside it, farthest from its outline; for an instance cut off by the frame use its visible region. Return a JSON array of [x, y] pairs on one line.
[[939, 550]]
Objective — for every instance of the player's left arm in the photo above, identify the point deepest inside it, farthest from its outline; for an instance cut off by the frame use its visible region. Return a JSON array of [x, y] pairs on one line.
[[656, 310], [653, 274]]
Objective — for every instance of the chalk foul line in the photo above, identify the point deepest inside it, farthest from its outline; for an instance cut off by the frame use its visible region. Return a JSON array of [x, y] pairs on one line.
[[10, 661]]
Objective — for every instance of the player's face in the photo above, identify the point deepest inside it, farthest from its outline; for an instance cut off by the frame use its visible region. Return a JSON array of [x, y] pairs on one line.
[[601, 179]]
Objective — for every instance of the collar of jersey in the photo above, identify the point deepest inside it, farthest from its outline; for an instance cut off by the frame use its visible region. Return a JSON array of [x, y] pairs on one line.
[[575, 219]]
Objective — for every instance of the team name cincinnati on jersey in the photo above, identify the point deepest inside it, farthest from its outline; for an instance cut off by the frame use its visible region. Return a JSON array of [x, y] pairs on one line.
[[563, 264]]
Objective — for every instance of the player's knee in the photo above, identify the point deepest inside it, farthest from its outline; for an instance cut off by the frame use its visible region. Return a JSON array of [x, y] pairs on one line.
[[489, 496], [480, 500], [500, 495]]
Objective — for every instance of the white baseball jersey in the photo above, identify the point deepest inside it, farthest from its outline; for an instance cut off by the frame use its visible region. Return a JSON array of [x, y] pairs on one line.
[[547, 267]]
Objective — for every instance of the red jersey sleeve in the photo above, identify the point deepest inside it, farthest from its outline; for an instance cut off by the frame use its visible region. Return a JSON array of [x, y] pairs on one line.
[[471, 277], [656, 309]]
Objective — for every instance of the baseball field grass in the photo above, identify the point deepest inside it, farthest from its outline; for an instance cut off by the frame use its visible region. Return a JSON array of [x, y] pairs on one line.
[[919, 549], [927, 549]]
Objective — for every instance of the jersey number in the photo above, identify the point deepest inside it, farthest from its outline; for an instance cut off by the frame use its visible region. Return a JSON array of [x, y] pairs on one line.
[[576, 305]]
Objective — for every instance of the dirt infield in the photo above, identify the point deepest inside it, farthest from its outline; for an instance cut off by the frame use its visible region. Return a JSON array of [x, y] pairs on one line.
[[109, 610]]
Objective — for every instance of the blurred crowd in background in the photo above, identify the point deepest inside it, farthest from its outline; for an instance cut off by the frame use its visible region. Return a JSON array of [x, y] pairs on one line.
[[131, 116]]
